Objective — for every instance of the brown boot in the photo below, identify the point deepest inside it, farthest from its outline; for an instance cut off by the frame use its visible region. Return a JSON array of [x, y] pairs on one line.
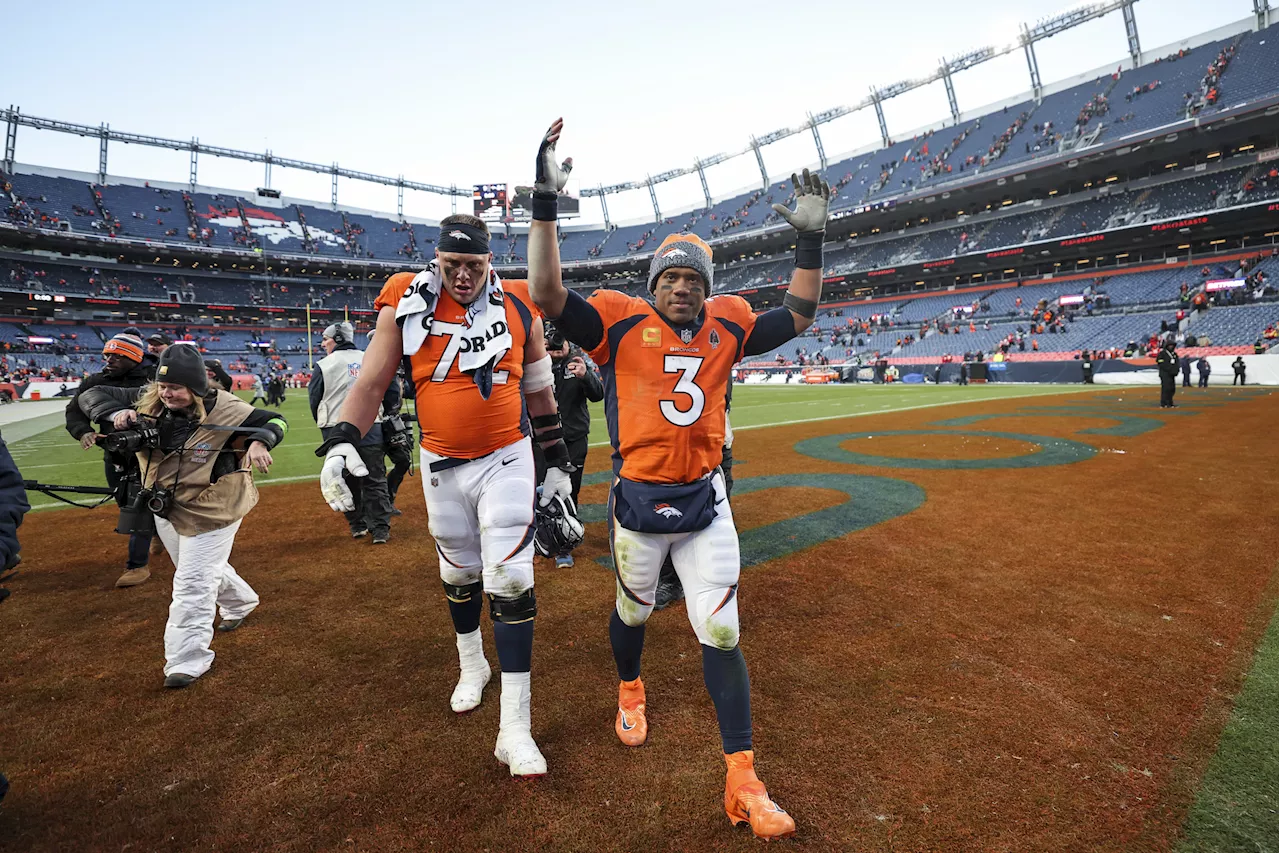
[[133, 577]]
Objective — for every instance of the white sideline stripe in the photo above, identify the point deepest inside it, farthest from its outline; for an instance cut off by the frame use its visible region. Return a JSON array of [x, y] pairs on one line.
[[300, 477], [738, 429]]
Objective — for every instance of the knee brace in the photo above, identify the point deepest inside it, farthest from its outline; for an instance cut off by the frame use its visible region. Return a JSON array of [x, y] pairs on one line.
[[513, 611], [462, 594]]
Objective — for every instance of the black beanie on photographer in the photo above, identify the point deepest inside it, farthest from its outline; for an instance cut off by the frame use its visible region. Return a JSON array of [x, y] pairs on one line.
[[181, 364]]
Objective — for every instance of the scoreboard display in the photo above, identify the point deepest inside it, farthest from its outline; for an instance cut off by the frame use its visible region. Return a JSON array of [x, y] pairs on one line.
[[489, 202], [522, 204]]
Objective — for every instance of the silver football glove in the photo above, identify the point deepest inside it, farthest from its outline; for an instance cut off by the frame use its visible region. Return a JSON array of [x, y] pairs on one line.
[[812, 199], [334, 489], [550, 177], [556, 482]]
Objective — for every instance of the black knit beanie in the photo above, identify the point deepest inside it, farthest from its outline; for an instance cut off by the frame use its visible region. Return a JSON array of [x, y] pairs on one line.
[[181, 364]]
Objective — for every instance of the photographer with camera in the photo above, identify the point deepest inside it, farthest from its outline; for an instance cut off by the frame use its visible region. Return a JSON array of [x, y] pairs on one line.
[[196, 448], [330, 381], [576, 385], [397, 436], [127, 366]]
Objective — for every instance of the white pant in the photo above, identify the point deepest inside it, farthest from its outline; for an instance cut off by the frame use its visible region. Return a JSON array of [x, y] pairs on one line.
[[481, 515], [706, 561], [202, 578]]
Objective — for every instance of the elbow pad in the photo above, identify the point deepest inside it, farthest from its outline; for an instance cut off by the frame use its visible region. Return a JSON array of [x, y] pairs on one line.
[[537, 376]]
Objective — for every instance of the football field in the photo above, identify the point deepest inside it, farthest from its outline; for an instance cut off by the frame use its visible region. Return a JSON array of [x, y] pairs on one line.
[[995, 618], [45, 452]]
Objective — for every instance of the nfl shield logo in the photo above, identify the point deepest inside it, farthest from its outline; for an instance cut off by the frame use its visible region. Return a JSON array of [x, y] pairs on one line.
[[714, 338], [686, 335], [435, 481]]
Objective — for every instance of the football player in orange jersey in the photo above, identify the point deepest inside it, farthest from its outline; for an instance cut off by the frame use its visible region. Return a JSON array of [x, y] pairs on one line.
[[666, 365], [476, 358]]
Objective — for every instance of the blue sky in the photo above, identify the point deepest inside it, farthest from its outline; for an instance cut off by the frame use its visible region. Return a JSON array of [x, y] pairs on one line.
[[461, 93]]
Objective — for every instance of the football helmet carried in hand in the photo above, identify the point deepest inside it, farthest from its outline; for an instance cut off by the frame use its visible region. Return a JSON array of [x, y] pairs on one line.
[[557, 527]]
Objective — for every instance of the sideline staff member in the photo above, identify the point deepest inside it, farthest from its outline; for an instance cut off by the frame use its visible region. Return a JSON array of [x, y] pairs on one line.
[[330, 381], [576, 385], [207, 475]]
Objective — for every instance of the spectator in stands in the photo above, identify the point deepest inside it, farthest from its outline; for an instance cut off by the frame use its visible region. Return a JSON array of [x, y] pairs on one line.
[[1203, 366], [1259, 347], [1238, 366]]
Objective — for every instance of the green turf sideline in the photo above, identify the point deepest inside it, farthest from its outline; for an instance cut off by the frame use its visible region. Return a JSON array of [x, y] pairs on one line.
[[1235, 808], [52, 457]]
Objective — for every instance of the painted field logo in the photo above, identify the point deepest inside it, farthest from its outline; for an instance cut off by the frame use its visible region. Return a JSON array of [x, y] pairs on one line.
[[667, 511]]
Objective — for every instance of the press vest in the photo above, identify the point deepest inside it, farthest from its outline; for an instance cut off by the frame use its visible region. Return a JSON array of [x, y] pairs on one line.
[[199, 505], [339, 369]]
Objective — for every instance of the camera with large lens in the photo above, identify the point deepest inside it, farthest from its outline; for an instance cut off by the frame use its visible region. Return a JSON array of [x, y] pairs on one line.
[[135, 514], [399, 433], [132, 440], [552, 337]]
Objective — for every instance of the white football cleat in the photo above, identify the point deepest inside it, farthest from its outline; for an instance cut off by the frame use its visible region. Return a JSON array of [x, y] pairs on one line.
[[520, 754], [470, 690]]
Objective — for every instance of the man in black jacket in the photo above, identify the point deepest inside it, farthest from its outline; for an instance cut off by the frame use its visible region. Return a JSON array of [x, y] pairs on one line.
[[1186, 371], [1167, 365], [576, 385], [127, 366], [1238, 366]]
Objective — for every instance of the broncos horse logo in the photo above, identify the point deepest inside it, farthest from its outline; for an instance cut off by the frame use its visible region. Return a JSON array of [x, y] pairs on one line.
[[666, 510]]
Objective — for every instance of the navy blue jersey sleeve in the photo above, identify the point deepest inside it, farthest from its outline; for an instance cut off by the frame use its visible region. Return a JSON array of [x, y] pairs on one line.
[[580, 322], [773, 329]]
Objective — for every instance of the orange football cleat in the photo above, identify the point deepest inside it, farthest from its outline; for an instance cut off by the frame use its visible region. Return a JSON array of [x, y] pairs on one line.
[[632, 726], [746, 800]]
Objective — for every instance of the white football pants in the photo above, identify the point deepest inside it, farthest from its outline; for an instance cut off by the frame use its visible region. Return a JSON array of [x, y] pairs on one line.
[[202, 579], [706, 561], [481, 515]]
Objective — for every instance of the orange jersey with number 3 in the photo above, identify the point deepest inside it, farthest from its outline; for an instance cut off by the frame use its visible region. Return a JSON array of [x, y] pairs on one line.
[[664, 395], [455, 420]]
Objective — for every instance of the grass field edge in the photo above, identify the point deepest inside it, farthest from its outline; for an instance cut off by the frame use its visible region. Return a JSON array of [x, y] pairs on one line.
[[1028, 391], [1213, 817]]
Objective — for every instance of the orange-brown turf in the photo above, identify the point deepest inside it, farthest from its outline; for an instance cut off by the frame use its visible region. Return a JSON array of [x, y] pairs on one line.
[[1036, 659]]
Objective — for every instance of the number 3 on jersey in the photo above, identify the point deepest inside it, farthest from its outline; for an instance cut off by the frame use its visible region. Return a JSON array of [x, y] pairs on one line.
[[688, 367]]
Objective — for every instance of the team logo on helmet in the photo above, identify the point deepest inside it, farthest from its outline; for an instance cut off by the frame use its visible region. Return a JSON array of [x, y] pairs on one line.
[[675, 252], [667, 511]]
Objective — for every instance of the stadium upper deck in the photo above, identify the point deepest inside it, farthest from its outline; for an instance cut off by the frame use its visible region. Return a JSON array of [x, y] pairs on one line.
[[1223, 75]]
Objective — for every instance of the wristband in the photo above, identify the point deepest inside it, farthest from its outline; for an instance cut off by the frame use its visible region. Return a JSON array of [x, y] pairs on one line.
[[344, 432], [545, 206], [809, 250], [557, 456], [550, 434], [806, 308]]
